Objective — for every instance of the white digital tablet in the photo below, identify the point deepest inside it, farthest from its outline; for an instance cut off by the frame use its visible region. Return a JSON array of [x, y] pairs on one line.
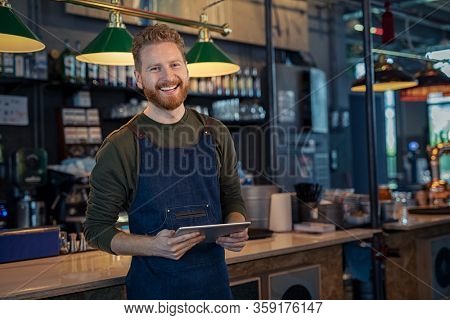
[[213, 231]]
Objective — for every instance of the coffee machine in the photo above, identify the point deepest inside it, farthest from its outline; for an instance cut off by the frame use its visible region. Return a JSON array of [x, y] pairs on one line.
[[66, 197], [29, 170]]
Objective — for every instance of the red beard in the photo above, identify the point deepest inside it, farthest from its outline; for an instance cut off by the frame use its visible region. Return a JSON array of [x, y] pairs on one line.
[[162, 101]]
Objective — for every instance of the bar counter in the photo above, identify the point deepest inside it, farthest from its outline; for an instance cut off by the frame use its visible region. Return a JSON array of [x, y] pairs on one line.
[[64, 276], [410, 272], [418, 221]]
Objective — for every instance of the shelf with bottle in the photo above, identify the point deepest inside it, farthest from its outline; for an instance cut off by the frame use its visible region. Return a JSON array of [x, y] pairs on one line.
[[67, 70], [94, 87], [125, 110], [233, 99], [233, 111], [244, 84], [23, 68], [24, 65]]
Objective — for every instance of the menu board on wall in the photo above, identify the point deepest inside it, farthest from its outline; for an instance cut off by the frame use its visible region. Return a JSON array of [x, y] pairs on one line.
[[245, 18], [13, 110]]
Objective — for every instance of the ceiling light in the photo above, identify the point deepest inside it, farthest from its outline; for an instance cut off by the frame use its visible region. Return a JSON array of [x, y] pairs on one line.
[[373, 30], [15, 36], [429, 77], [388, 76], [112, 46], [430, 81], [205, 59]]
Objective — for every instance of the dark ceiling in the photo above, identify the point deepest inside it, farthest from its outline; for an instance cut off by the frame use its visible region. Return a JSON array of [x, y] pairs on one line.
[[420, 26]]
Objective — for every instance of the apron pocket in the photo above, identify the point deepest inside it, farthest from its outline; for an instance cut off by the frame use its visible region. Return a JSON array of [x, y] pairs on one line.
[[192, 215]]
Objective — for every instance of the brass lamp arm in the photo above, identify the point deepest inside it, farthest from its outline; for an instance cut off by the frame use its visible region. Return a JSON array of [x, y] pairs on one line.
[[404, 55], [224, 29]]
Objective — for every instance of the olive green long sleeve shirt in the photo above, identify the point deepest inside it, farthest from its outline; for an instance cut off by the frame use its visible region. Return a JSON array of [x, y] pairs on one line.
[[114, 179]]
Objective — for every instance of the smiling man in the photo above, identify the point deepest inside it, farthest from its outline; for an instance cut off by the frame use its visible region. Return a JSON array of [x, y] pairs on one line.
[[168, 167]]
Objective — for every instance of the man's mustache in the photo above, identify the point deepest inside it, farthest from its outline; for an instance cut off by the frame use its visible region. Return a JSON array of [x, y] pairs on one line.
[[168, 83]]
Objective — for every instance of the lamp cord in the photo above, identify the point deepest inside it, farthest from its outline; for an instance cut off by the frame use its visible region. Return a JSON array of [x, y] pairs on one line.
[[211, 5]]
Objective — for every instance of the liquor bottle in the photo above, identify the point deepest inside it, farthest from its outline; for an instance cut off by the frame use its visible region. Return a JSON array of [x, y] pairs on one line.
[[234, 84], [40, 67], [67, 62], [112, 76], [103, 75], [92, 74], [193, 85], [121, 76], [8, 64], [210, 86], [80, 67], [256, 83], [202, 85], [31, 66], [218, 86], [242, 90], [29, 63], [248, 82], [19, 64], [226, 85], [131, 81]]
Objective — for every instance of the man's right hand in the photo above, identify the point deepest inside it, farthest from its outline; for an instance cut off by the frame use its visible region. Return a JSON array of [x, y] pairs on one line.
[[165, 244]]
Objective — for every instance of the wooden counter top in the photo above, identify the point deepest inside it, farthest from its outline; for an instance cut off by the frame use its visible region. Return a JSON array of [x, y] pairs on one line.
[[54, 276], [418, 221], [289, 242]]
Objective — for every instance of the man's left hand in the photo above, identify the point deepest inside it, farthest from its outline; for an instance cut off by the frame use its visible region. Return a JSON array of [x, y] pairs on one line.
[[234, 242]]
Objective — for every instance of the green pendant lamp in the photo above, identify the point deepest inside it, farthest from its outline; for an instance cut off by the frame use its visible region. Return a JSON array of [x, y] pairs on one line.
[[15, 36], [388, 76], [205, 59], [112, 46]]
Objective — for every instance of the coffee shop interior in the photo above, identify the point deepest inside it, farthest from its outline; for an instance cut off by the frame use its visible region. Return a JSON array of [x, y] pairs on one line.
[[340, 116]]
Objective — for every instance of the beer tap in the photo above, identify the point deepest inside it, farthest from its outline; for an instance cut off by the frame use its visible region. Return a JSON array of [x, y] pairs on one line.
[[439, 192]]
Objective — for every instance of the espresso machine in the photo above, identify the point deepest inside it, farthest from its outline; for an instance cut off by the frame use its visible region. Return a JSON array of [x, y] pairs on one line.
[[66, 196], [29, 170]]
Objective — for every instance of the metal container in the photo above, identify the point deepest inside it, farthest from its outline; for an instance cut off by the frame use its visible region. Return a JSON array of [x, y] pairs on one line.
[[387, 211], [331, 213], [325, 213], [257, 202]]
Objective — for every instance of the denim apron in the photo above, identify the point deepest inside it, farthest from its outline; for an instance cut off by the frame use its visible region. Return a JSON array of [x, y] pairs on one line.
[[177, 187]]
